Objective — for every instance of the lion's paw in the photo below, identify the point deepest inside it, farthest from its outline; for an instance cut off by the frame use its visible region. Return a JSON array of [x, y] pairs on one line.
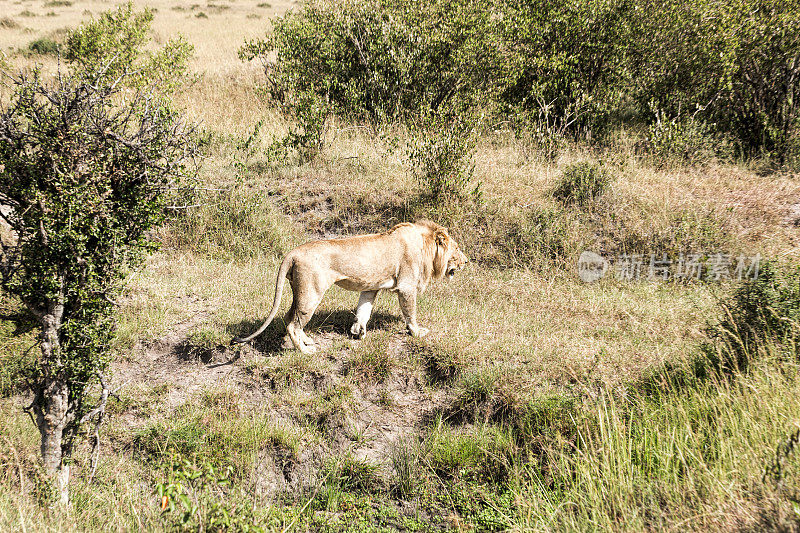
[[358, 330], [418, 331]]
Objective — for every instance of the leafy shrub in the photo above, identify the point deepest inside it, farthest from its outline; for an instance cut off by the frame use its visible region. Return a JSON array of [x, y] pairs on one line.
[[16, 361], [440, 156], [581, 184], [114, 45], [197, 496], [564, 66], [44, 46], [687, 141], [763, 314], [310, 111], [731, 63], [86, 164], [378, 60]]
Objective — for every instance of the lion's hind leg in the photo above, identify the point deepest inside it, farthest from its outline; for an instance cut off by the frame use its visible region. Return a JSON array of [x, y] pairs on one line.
[[308, 291]]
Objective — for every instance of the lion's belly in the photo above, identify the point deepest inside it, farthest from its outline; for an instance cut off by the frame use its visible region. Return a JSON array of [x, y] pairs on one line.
[[359, 285]]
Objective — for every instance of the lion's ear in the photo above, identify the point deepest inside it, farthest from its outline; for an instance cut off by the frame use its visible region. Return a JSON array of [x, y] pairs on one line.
[[441, 237]]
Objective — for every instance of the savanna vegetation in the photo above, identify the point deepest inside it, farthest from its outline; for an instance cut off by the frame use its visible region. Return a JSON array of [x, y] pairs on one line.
[[157, 163]]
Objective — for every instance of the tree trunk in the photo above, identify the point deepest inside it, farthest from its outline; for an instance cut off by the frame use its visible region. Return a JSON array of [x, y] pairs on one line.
[[52, 404], [51, 419]]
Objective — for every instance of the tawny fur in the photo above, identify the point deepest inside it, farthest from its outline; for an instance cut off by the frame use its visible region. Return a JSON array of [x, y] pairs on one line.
[[404, 260]]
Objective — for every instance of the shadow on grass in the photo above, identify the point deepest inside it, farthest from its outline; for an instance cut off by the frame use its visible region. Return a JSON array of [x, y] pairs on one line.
[[338, 322], [22, 319]]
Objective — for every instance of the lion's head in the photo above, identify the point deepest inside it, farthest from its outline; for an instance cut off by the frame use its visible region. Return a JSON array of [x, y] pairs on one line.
[[448, 257]]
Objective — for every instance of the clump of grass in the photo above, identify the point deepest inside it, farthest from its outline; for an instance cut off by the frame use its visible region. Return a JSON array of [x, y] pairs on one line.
[[206, 337], [8, 23], [142, 400], [201, 15], [265, 5], [205, 428], [474, 394], [224, 400], [371, 360], [197, 496], [27, 13], [581, 184], [289, 370], [44, 46], [57, 3], [326, 410], [479, 454], [441, 365], [349, 474], [544, 234]]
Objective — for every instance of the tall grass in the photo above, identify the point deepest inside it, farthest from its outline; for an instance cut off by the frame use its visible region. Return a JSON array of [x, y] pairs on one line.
[[695, 458]]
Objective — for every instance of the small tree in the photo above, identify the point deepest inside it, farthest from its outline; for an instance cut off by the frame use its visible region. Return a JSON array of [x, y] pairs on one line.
[[85, 162]]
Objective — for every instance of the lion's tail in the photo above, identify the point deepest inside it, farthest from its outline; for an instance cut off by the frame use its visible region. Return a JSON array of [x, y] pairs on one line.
[[286, 265]]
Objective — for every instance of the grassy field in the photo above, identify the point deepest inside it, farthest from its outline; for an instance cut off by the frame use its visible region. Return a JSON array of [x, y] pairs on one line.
[[526, 408]]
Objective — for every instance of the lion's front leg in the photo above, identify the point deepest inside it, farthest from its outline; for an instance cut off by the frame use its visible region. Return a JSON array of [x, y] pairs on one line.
[[363, 312], [408, 306]]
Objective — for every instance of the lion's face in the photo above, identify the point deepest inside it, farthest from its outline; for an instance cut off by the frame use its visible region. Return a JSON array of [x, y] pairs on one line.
[[456, 261]]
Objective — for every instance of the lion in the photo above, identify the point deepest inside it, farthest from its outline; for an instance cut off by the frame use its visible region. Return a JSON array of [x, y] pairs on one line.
[[403, 259]]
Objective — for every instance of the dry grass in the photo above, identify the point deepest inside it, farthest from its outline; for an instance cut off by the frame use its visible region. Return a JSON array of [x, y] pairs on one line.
[[536, 331]]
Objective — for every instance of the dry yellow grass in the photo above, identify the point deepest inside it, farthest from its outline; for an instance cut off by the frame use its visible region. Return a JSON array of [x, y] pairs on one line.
[[539, 331]]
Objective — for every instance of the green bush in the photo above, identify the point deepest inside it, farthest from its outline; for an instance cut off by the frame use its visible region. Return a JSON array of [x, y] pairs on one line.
[[580, 184], [553, 69], [762, 316], [379, 60], [682, 141], [114, 46], [564, 66], [729, 63], [196, 495], [440, 156], [44, 46]]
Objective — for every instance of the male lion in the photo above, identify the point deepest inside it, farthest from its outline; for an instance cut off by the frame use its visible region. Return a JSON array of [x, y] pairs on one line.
[[403, 259]]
